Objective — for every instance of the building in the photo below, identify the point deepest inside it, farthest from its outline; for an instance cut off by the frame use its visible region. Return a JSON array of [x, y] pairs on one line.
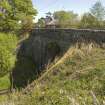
[[50, 22]]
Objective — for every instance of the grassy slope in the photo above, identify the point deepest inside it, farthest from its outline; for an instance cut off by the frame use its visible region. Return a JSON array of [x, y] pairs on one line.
[[4, 82], [7, 42], [76, 79], [79, 79]]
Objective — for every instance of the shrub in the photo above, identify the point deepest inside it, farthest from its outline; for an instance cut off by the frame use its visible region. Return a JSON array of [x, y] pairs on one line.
[[8, 41], [7, 56]]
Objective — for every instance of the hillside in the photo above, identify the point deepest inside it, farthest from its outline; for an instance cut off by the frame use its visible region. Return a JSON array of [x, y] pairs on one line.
[[78, 78]]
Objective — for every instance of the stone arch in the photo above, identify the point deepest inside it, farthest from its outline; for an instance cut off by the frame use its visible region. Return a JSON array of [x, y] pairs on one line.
[[52, 51]]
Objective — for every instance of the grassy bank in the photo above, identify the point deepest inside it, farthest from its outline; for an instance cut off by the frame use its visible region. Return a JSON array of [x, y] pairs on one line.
[[77, 79], [4, 82]]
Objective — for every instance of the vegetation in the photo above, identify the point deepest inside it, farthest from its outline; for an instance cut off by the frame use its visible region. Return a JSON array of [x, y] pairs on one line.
[[7, 50], [41, 23], [78, 78], [15, 16], [88, 21], [66, 19], [7, 58], [14, 12], [95, 18], [5, 82], [98, 11]]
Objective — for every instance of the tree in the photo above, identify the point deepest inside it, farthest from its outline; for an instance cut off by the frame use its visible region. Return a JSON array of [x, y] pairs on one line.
[[13, 12], [41, 23], [66, 19], [49, 14], [6, 15], [88, 21], [98, 11], [26, 25], [94, 18]]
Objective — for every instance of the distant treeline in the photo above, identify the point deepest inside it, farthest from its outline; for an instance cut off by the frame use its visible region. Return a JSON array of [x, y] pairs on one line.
[[94, 19], [18, 15]]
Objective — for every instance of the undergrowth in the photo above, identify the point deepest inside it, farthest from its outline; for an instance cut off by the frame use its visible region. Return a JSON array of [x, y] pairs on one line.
[[78, 78]]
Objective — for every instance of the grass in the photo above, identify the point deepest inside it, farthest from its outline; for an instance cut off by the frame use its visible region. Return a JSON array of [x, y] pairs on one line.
[[8, 43], [77, 79], [4, 82]]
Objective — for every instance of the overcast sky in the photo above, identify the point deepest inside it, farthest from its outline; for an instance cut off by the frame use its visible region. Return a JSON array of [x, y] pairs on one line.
[[78, 6]]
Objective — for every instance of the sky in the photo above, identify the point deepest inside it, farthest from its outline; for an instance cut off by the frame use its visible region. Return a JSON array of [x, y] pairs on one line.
[[78, 6]]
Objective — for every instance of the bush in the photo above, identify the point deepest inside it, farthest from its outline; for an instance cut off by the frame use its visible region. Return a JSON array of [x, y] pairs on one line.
[[7, 56], [9, 41]]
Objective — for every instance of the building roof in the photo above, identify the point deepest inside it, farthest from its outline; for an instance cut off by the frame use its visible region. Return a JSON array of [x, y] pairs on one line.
[[53, 22]]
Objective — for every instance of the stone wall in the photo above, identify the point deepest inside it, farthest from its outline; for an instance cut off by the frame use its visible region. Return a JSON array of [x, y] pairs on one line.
[[44, 45], [66, 37]]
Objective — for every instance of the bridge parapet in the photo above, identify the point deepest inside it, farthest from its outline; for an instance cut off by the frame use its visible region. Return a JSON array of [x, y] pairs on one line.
[[71, 35], [44, 45]]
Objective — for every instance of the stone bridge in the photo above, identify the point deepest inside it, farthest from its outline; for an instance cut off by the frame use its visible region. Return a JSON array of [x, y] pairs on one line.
[[44, 45]]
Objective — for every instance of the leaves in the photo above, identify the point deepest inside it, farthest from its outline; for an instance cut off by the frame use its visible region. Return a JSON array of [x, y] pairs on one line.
[[7, 58], [13, 12], [65, 18], [98, 11]]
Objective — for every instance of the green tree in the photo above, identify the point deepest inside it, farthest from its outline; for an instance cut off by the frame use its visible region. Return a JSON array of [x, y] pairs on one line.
[[49, 14], [26, 26], [14, 11], [94, 18], [6, 19], [98, 11], [66, 19], [88, 21], [41, 23]]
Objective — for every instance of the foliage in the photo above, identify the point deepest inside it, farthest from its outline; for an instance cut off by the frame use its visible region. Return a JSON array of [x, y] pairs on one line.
[[63, 19], [94, 18], [6, 61], [88, 21], [26, 25], [77, 80], [4, 82], [41, 23], [98, 11], [13, 12], [7, 57], [66, 19]]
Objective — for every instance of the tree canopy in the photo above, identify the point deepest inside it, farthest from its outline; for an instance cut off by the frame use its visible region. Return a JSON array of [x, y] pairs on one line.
[[13, 11], [98, 11], [65, 18], [95, 18], [88, 21]]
